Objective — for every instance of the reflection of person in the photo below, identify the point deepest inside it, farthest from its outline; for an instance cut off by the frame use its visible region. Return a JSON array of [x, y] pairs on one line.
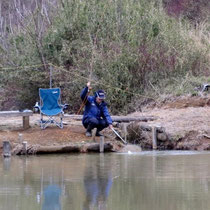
[[52, 198], [97, 184], [96, 113]]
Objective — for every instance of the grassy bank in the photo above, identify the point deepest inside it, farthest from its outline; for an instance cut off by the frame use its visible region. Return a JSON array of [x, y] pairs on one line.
[[132, 49]]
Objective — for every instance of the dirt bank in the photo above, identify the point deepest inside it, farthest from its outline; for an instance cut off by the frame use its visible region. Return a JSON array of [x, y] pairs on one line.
[[186, 120], [72, 133]]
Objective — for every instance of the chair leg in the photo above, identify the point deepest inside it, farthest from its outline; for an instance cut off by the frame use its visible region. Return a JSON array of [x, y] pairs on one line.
[[61, 118], [60, 124], [43, 125], [51, 120], [41, 121]]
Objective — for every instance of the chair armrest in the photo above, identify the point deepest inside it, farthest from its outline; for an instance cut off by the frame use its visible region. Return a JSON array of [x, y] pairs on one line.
[[65, 106], [36, 107]]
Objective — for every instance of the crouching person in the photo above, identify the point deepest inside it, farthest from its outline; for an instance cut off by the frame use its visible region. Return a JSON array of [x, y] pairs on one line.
[[96, 114]]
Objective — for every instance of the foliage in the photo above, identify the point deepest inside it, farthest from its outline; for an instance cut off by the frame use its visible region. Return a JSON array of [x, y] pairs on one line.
[[130, 48]]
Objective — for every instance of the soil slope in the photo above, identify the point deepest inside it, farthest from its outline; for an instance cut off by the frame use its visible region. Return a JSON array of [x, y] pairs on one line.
[[185, 119]]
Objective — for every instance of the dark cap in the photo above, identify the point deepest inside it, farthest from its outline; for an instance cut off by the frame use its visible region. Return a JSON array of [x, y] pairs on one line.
[[100, 94]]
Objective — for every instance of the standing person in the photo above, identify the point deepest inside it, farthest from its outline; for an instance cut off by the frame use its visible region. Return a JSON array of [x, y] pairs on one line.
[[96, 114]]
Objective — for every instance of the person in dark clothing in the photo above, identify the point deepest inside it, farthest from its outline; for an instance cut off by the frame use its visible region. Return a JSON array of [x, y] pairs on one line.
[[96, 114]]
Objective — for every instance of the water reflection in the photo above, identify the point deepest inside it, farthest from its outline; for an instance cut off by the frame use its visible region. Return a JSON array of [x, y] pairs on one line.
[[52, 195], [7, 163], [154, 181], [97, 184]]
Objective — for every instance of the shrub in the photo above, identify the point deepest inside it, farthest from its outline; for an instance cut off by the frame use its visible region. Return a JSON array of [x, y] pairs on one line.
[[132, 49]]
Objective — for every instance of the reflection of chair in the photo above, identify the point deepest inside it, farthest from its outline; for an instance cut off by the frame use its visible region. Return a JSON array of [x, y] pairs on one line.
[[50, 106]]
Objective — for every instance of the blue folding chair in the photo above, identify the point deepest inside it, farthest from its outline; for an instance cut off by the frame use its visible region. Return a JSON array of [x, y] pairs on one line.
[[50, 106]]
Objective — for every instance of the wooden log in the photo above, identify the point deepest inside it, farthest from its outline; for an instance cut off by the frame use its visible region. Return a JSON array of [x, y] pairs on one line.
[[101, 144], [26, 122], [25, 114], [117, 118], [159, 129], [20, 138], [24, 149], [129, 119], [6, 149], [154, 137], [57, 149], [37, 149], [16, 113]]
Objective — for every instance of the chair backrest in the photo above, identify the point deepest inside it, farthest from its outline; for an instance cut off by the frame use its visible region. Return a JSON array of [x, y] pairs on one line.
[[50, 98]]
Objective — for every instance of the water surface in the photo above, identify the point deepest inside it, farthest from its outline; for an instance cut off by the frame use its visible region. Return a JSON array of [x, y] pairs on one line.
[[170, 180]]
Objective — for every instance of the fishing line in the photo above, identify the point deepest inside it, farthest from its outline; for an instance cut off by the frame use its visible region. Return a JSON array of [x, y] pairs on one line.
[[105, 85]]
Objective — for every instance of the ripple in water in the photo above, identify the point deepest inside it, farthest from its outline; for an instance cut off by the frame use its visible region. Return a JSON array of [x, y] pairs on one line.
[[130, 148]]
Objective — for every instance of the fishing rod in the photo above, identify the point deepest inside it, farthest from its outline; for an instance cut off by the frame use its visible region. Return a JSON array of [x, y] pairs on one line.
[[85, 99], [93, 43], [118, 135]]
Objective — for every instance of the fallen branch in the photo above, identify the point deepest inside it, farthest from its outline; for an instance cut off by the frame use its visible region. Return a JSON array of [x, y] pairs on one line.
[[117, 118]]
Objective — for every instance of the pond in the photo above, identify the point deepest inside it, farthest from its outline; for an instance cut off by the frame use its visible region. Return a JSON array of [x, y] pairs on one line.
[[169, 180]]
